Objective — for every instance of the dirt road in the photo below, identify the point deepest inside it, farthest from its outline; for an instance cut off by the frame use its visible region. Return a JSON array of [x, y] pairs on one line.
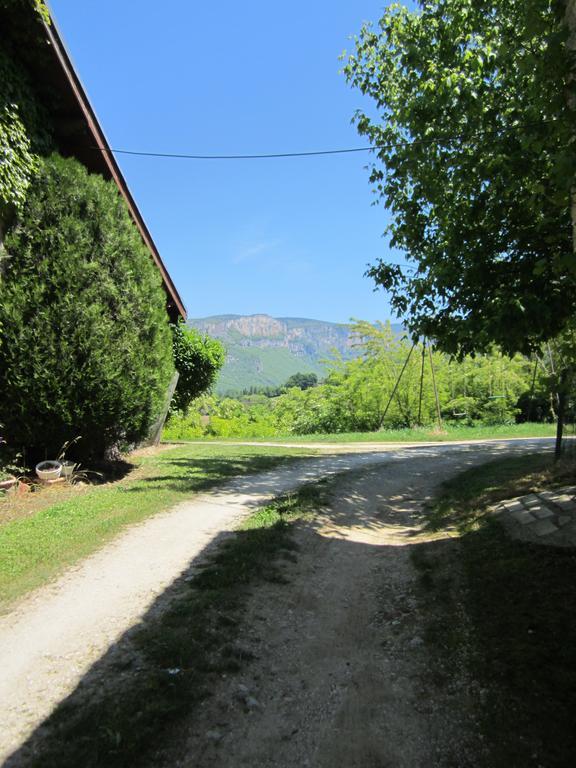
[[338, 678]]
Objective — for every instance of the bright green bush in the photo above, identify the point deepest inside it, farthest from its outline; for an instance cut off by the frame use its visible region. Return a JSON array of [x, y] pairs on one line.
[[197, 359], [85, 347], [211, 417], [182, 426]]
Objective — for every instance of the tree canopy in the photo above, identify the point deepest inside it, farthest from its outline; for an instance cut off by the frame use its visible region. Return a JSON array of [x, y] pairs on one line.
[[476, 140], [301, 380]]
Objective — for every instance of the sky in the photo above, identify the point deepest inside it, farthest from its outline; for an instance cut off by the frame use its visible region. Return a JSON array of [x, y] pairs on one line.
[[286, 237]]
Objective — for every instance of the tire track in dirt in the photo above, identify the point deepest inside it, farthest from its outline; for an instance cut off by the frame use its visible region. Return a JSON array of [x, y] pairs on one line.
[[340, 672]]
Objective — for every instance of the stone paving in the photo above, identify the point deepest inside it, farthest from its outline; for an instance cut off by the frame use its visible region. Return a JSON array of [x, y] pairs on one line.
[[547, 517]]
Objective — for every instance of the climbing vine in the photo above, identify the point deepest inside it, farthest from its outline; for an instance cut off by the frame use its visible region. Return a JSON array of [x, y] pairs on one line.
[[41, 8], [23, 125], [38, 5], [17, 161]]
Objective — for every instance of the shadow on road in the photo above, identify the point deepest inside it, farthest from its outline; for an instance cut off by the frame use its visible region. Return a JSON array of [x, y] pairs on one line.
[[129, 705]]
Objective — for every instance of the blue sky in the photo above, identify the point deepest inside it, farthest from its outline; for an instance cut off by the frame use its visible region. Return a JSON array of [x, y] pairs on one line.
[[288, 237]]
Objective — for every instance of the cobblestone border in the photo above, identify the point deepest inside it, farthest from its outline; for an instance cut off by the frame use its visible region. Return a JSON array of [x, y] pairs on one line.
[[548, 517]]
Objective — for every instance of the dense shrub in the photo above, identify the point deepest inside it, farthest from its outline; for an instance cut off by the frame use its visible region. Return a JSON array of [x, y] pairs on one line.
[[197, 359], [534, 406], [85, 347], [211, 416]]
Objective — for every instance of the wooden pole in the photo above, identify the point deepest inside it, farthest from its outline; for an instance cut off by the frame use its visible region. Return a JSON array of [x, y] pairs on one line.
[[561, 400], [531, 406], [396, 385], [559, 378]]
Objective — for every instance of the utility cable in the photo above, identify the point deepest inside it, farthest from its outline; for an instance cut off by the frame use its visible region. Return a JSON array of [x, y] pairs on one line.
[[316, 153]]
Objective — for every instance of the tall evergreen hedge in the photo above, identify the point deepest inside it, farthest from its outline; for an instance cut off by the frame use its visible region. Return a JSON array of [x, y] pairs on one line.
[[85, 345]]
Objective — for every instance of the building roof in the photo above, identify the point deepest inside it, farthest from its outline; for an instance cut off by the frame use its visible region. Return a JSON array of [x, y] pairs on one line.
[[77, 130]]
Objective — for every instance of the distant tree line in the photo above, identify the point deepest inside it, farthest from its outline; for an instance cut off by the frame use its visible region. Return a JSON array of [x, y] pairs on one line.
[[299, 380]]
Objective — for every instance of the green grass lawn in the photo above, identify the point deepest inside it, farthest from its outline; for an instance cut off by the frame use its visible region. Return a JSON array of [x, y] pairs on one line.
[[36, 547], [415, 435], [518, 638]]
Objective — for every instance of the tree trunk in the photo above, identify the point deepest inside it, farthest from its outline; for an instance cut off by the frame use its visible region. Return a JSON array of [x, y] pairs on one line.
[[570, 18], [560, 418], [437, 399]]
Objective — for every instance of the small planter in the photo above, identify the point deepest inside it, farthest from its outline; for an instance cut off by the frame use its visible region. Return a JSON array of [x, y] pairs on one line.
[[68, 468], [7, 482], [48, 470]]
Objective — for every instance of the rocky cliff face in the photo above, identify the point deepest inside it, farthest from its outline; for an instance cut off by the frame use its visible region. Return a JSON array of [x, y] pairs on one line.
[[250, 326], [265, 351]]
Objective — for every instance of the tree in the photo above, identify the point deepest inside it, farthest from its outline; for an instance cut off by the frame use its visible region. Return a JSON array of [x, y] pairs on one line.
[[476, 138], [302, 381], [198, 360], [85, 347], [394, 376]]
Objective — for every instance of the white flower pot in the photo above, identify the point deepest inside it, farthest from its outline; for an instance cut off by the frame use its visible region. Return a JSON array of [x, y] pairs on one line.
[[68, 468], [49, 470]]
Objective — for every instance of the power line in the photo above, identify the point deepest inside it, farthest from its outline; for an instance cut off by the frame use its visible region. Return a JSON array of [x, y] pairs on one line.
[[316, 153], [235, 157]]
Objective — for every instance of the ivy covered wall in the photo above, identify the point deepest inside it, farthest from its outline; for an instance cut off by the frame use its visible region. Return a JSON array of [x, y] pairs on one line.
[[25, 131]]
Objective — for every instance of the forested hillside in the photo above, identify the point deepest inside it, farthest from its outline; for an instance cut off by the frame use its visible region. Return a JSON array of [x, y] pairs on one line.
[[263, 351]]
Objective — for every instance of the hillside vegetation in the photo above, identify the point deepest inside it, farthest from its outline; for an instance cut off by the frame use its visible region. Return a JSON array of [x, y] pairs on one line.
[[391, 385], [263, 351]]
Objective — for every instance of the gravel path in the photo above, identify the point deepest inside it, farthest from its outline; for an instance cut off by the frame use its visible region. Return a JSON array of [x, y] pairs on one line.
[[54, 636]]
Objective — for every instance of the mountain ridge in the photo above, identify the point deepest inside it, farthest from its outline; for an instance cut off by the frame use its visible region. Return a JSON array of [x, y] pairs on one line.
[[264, 351]]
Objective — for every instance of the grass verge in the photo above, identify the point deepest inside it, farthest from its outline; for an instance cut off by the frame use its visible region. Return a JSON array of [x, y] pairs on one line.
[[507, 608], [416, 435], [39, 544], [136, 700]]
